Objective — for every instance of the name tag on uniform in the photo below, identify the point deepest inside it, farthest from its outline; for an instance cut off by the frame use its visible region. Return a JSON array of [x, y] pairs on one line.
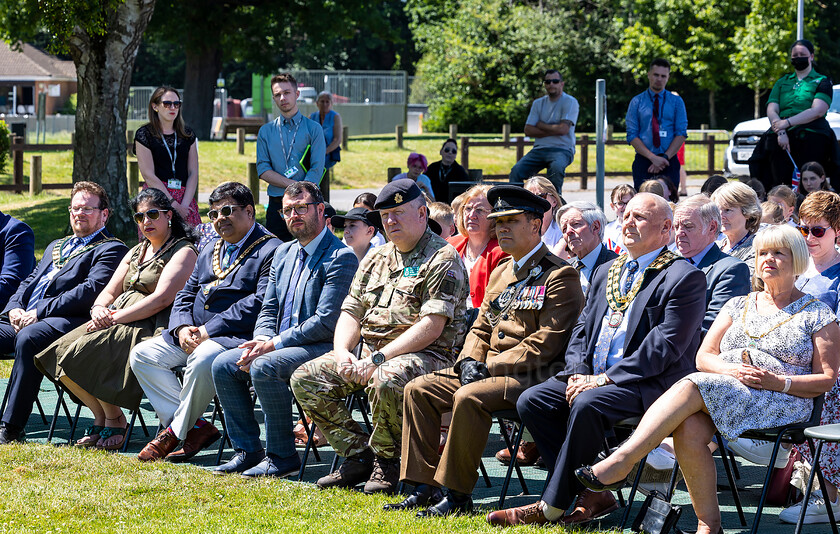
[[663, 133], [291, 171], [531, 298], [173, 183], [410, 272]]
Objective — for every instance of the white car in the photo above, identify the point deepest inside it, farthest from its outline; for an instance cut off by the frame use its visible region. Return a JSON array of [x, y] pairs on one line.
[[746, 135]]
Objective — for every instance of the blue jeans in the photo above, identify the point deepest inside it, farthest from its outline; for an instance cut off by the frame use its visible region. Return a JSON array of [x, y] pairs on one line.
[[552, 158], [270, 375]]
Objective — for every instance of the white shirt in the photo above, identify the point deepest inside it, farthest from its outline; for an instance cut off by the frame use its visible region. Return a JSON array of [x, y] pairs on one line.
[[552, 235], [616, 351], [518, 264], [588, 262]]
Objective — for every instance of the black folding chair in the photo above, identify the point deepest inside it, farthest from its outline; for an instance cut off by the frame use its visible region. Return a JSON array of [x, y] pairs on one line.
[[217, 412], [512, 442]]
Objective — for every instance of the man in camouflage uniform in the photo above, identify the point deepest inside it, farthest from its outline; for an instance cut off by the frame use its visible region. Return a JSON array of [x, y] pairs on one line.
[[407, 304]]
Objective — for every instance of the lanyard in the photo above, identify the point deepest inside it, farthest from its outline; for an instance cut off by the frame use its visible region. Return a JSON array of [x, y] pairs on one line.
[[173, 155], [287, 155]]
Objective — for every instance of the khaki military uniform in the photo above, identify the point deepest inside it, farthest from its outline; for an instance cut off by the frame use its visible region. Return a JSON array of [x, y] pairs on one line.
[[390, 292], [522, 338]]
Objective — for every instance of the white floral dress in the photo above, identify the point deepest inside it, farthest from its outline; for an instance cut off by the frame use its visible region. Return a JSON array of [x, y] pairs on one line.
[[784, 346]]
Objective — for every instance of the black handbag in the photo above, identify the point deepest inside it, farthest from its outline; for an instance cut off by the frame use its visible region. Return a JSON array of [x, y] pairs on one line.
[[657, 515]]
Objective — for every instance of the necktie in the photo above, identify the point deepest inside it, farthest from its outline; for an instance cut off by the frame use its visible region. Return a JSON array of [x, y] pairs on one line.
[[41, 286], [655, 121], [290, 291], [605, 337], [577, 264], [228, 258], [691, 261]]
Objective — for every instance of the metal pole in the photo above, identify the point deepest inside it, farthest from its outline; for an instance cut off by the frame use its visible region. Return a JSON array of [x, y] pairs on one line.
[[800, 19], [600, 118]]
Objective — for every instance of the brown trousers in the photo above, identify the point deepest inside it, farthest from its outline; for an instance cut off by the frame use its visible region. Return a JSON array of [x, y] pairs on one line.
[[425, 399]]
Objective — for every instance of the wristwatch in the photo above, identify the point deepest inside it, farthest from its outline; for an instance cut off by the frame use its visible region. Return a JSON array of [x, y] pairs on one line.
[[601, 380], [377, 358]]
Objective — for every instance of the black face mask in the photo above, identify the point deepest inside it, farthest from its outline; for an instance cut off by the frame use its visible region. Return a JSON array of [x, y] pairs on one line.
[[800, 63]]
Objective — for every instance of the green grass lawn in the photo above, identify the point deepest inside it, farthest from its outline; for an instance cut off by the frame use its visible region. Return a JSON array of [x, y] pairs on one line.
[[64, 489]]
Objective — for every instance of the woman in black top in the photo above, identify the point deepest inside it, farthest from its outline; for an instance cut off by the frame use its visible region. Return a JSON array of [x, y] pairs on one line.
[[446, 170], [167, 153]]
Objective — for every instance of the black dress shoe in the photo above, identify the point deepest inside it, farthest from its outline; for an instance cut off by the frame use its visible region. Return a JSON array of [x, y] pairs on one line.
[[273, 466], [11, 434], [449, 505], [423, 495], [241, 461], [588, 479]]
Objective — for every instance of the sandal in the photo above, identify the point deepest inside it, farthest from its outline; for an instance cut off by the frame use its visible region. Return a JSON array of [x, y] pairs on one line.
[[109, 432], [91, 437]]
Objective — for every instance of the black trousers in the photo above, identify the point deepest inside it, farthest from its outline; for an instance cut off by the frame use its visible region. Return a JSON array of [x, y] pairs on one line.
[[569, 437], [641, 174], [772, 165], [274, 222], [25, 381]]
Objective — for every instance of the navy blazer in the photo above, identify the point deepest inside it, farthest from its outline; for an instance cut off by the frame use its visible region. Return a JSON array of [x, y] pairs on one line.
[[229, 310], [17, 241], [68, 297], [663, 330], [324, 282], [726, 277]]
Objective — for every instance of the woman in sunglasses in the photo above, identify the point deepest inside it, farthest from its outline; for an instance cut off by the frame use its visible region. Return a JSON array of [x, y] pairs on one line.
[[167, 153], [819, 218], [447, 170], [92, 360]]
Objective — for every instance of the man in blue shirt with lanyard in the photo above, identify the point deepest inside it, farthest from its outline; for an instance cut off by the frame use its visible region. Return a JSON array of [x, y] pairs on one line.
[[656, 127], [282, 146]]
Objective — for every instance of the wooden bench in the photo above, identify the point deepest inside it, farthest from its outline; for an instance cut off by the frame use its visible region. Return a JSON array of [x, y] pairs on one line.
[[251, 125]]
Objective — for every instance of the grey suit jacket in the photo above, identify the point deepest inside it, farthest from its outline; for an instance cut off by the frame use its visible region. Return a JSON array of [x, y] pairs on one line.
[[324, 282], [726, 277]]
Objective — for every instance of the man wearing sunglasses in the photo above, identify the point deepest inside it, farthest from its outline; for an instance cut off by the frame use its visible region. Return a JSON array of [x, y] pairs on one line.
[[290, 148], [446, 170], [56, 298], [216, 311], [551, 123]]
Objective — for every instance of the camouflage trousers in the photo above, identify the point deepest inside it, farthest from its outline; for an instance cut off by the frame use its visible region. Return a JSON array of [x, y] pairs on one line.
[[321, 390]]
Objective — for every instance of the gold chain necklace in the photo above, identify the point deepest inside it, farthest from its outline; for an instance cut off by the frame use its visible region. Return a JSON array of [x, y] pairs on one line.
[[753, 343], [217, 261], [59, 262], [617, 301]]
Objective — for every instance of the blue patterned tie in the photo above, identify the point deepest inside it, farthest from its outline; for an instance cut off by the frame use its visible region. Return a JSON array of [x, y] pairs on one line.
[[228, 256], [605, 337], [290, 291]]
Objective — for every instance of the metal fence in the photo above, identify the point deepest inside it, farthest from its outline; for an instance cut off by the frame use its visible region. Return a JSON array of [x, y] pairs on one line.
[[357, 87], [138, 102]]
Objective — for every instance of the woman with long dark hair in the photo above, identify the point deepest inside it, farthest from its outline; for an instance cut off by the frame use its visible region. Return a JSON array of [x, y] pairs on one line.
[[167, 153], [92, 360]]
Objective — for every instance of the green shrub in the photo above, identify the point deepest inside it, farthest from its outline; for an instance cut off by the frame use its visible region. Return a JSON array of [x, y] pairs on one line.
[[5, 145]]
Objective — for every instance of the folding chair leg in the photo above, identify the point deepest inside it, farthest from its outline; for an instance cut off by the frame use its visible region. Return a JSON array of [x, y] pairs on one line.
[[727, 461], [59, 401], [766, 487], [626, 515], [142, 423], [484, 474], [618, 491], [513, 448], [130, 430], [673, 483], [40, 410], [225, 438], [75, 424], [815, 470]]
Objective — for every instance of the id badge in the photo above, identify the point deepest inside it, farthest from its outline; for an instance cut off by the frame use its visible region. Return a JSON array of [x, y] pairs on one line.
[[173, 183], [663, 133], [290, 172]]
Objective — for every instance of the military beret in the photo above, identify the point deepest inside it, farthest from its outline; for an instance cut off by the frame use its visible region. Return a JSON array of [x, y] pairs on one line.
[[397, 193], [513, 200], [371, 218]]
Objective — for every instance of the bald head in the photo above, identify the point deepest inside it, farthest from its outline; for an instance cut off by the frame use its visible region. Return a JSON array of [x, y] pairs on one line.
[[647, 224]]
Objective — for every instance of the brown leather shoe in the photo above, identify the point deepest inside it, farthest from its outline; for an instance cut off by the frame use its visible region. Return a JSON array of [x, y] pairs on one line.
[[526, 455], [352, 471], [591, 505], [523, 515], [196, 440], [158, 448], [385, 476]]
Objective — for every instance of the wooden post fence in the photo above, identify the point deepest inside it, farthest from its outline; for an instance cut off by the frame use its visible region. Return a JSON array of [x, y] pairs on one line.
[[325, 184], [584, 161], [345, 133], [465, 152], [17, 164], [453, 131], [254, 181], [399, 135], [506, 133], [34, 175], [129, 142], [710, 155], [133, 178], [240, 140], [520, 148]]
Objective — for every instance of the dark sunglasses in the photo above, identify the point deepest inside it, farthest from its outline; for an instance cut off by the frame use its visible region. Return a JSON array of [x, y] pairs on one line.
[[816, 231], [170, 104], [153, 215], [450, 150], [224, 211], [552, 80]]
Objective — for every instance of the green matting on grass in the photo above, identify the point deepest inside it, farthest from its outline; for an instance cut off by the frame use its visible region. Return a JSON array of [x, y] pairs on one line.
[[486, 498]]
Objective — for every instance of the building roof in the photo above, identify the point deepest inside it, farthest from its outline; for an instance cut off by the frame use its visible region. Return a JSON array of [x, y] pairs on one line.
[[33, 64]]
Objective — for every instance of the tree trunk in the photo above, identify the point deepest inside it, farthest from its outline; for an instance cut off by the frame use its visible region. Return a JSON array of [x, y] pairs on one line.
[[712, 112], [103, 67], [756, 101], [202, 70]]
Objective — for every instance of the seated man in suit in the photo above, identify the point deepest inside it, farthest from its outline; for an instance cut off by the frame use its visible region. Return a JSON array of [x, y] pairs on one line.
[[17, 241], [696, 226], [526, 317], [407, 305], [215, 311], [308, 281], [637, 335], [56, 298]]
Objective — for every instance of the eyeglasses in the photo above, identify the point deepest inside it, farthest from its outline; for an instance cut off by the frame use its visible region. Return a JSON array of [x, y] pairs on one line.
[[450, 150], [153, 215], [81, 210], [620, 204], [171, 104], [477, 210], [224, 211], [552, 80], [543, 196], [300, 209], [816, 231]]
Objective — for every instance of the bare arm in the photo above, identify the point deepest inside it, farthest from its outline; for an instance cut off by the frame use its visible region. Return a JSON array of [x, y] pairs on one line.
[[147, 169], [675, 145], [818, 109], [348, 331], [337, 133], [192, 176]]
